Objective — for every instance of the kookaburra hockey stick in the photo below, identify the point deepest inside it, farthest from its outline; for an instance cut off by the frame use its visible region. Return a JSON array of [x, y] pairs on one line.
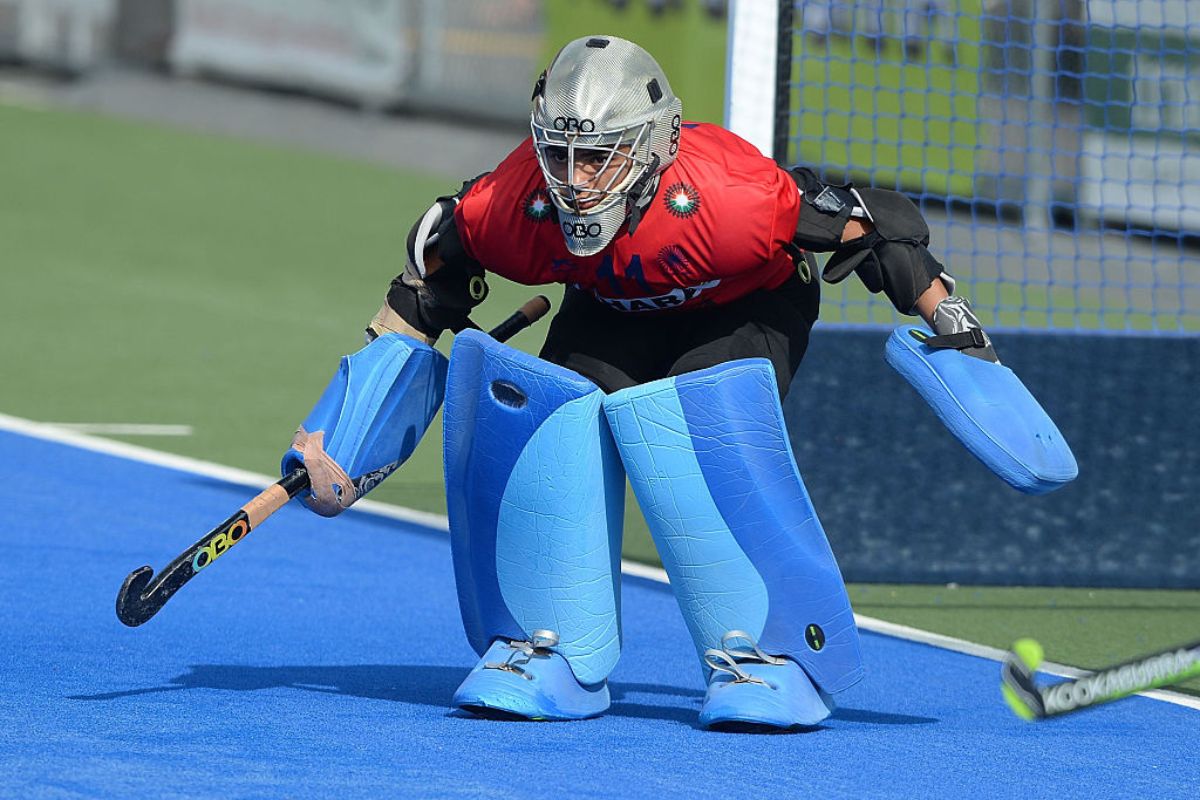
[[1032, 702], [142, 594]]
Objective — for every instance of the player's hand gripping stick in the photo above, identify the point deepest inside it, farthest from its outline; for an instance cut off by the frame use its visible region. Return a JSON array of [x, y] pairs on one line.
[[142, 594]]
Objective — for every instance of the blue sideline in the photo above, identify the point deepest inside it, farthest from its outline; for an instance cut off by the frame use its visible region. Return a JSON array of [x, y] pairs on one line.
[[318, 657]]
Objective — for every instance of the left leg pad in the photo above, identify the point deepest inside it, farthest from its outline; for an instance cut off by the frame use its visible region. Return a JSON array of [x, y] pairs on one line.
[[535, 493]]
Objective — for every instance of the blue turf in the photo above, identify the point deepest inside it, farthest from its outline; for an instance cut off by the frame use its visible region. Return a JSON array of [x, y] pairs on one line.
[[317, 658]]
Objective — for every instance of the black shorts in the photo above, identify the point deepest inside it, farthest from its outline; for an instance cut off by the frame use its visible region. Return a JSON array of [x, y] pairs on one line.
[[617, 349]]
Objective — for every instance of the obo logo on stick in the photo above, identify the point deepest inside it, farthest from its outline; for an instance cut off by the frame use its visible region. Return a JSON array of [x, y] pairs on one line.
[[220, 544]]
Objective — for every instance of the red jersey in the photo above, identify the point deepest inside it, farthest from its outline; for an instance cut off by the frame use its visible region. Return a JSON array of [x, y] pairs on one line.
[[715, 230]]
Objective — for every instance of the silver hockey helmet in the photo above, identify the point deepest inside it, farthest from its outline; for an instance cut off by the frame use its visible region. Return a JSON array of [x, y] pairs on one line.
[[605, 125]]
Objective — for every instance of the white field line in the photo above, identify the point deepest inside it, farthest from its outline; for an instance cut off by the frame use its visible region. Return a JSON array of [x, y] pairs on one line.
[[995, 654], [123, 428], [48, 432], [53, 433]]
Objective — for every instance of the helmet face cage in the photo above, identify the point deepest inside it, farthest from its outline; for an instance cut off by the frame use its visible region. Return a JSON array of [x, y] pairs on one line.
[[618, 158]]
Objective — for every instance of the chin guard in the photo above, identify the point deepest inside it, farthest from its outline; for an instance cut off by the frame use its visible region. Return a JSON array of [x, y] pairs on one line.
[[988, 409]]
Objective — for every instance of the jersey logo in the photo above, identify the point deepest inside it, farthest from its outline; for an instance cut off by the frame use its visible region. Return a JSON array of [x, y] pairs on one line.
[[537, 205], [673, 261], [682, 199], [673, 299]]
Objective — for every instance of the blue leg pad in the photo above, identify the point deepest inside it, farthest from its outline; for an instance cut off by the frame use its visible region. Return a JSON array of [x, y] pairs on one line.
[[530, 684], [988, 409], [535, 493], [711, 465]]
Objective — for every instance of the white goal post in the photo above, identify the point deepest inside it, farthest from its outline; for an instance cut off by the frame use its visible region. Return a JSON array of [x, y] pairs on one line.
[[758, 72]]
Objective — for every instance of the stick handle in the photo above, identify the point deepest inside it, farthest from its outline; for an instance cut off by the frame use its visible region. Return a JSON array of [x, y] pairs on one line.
[[533, 310], [275, 496]]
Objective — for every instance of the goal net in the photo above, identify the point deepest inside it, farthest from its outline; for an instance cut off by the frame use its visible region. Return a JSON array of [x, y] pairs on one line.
[[1052, 144]]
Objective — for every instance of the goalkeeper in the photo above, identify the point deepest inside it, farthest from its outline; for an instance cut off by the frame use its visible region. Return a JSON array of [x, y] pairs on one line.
[[686, 313]]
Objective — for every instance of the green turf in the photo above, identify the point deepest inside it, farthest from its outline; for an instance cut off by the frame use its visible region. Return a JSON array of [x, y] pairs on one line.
[[686, 41], [156, 276], [911, 124], [167, 277], [207, 282]]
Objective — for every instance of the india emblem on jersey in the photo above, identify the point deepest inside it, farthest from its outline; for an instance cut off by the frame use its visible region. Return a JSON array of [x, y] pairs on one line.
[[537, 205], [682, 199], [674, 261]]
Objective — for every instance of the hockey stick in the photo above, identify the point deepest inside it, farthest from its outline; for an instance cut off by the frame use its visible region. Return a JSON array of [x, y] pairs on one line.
[[142, 595], [1032, 702]]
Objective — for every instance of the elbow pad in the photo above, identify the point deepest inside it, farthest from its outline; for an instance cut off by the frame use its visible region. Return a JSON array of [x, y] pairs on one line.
[[893, 258], [428, 230], [432, 301], [824, 213], [453, 289]]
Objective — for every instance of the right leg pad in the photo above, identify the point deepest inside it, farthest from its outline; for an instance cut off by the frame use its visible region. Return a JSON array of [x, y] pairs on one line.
[[709, 459]]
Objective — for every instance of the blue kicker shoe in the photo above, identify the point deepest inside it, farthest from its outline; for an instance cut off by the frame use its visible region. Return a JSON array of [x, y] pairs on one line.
[[750, 691], [530, 681]]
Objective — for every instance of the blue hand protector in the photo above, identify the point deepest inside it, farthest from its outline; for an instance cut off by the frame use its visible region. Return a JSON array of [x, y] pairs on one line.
[[535, 494], [711, 465], [368, 420], [989, 410]]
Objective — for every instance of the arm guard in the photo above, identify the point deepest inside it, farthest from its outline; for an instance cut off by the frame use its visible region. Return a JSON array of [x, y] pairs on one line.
[[431, 300], [367, 422], [893, 258]]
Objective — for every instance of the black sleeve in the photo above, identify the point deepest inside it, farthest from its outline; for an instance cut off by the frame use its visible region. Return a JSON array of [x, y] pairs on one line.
[[893, 258], [824, 211], [444, 298]]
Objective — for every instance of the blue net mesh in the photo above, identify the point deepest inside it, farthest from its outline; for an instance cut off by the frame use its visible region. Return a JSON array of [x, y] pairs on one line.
[[1050, 143]]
